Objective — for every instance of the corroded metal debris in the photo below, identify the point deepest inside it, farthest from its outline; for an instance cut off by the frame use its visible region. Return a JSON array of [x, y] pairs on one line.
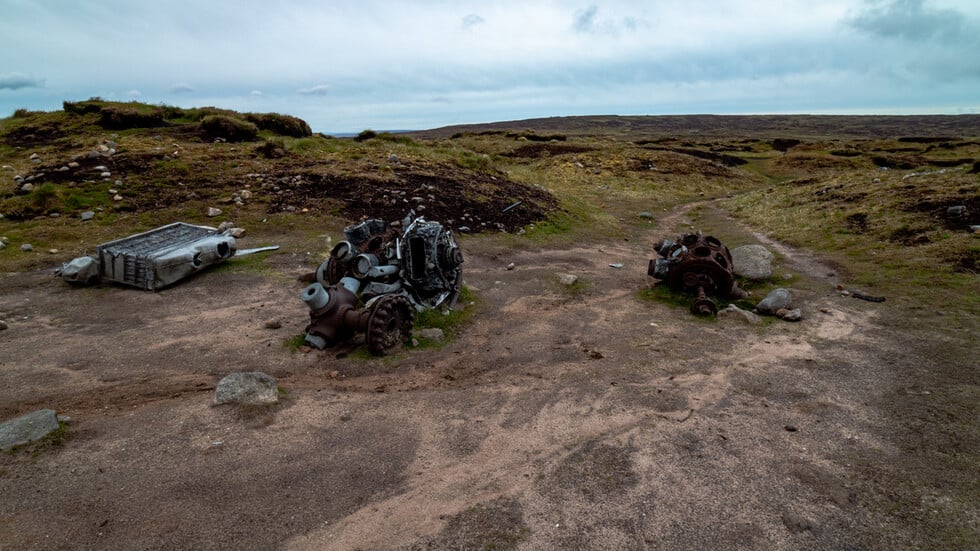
[[153, 259], [697, 264], [375, 280]]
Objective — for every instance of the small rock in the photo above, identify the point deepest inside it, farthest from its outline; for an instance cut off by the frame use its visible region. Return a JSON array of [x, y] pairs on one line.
[[433, 334], [245, 194], [106, 175], [777, 299], [786, 314], [55, 215], [956, 210], [212, 212], [272, 324], [34, 156], [28, 428], [87, 215], [2, 245], [52, 251], [113, 191], [117, 197], [510, 266], [100, 168], [27, 188], [236, 232], [73, 164], [3, 325], [732, 311], [567, 279], [646, 215], [393, 158], [334, 374], [252, 388], [224, 226], [27, 247]]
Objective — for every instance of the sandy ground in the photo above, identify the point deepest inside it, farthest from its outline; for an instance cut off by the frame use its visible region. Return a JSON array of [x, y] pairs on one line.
[[557, 420]]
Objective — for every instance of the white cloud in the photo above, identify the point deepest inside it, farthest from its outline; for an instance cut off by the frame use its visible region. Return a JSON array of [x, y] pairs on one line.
[[465, 60], [134, 93], [318, 90]]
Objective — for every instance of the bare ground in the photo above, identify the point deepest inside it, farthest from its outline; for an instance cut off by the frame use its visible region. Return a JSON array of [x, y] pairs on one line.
[[582, 418]]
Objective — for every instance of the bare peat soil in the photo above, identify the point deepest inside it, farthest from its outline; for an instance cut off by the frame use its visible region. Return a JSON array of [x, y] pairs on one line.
[[580, 417]]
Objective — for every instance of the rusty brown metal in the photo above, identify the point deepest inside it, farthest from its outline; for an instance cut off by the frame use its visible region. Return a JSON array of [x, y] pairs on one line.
[[377, 278], [697, 264]]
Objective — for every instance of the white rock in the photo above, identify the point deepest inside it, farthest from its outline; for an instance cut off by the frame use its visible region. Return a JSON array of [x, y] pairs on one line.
[[212, 212], [567, 279]]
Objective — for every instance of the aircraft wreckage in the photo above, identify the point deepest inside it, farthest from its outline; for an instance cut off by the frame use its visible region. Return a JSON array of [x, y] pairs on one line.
[[375, 280], [697, 264]]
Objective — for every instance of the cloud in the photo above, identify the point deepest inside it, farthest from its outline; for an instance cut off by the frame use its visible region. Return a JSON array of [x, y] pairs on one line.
[[318, 90], [472, 20], [134, 93], [255, 93], [16, 81], [910, 20], [181, 88], [585, 19]]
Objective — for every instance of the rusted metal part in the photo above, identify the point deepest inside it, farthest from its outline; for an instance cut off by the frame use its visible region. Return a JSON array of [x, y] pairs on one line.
[[697, 264], [381, 276]]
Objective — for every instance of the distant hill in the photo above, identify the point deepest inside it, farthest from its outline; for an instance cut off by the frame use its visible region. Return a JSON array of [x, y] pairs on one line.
[[733, 126]]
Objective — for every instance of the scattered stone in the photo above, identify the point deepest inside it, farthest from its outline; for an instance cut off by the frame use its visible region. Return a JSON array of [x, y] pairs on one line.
[[776, 300], [212, 212], [55, 215], [245, 194], [252, 388], [27, 188], [87, 215], [5, 240], [567, 279], [34, 156], [433, 334], [734, 312], [393, 158], [510, 266], [616, 265], [2, 245], [3, 325], [27, 247], [106, 175], [73, 164], [333, 375], [646, 215], [272, 324], [236, 232], [787, 314], [28, 428], [117, 197], [753, 262], [956, 210], [225, 226], [52, 251], [8, 167], [100, 168]]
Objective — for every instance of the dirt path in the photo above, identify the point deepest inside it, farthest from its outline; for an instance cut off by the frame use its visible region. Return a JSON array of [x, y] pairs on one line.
[[560, 419]]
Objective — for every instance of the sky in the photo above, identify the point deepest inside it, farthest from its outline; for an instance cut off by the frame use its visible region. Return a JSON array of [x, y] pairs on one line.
[[345, 66]]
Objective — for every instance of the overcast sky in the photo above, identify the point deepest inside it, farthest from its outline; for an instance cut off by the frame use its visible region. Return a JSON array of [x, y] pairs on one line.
[[345, 66]]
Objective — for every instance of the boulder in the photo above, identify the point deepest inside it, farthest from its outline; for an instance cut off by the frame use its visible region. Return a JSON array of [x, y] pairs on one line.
[[28, 428], [247, 388], [753, 262], [777, 299]]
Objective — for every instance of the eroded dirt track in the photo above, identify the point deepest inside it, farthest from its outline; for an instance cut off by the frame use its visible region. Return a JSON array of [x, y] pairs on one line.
[[559, 419]]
